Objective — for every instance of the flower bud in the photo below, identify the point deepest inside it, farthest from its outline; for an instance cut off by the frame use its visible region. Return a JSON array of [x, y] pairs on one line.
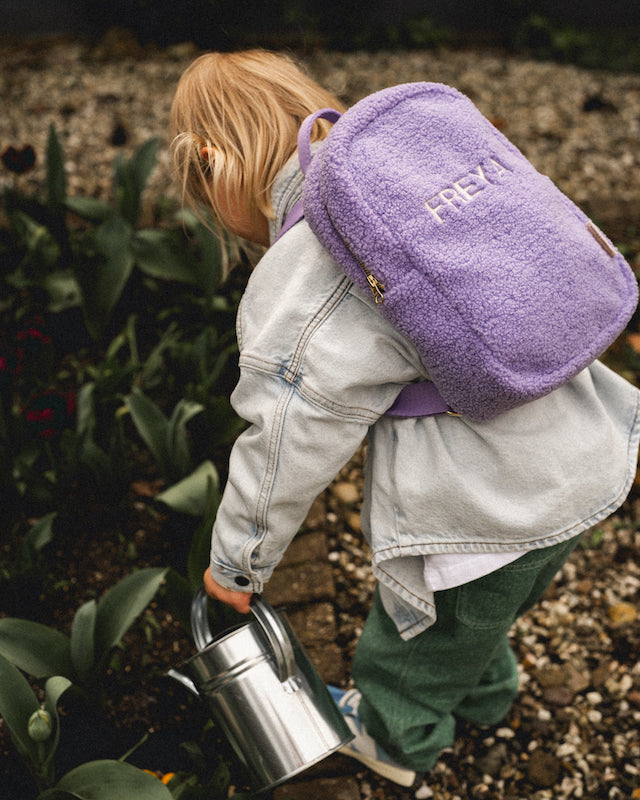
[[40, 725]]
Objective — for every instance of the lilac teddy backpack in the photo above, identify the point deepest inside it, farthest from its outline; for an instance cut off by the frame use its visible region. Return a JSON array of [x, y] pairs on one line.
[[504, 286]]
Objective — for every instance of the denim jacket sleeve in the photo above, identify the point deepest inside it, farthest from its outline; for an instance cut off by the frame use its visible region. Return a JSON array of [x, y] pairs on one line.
[[318, 366]]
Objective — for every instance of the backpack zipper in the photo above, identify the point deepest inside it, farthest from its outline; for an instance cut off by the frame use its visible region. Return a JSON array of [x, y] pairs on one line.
[[377, 288]]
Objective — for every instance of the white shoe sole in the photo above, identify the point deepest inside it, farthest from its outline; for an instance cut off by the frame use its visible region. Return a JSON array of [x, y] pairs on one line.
[[395, 773]]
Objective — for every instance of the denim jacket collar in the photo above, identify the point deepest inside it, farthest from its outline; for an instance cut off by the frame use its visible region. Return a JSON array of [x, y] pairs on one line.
[[287, 189]]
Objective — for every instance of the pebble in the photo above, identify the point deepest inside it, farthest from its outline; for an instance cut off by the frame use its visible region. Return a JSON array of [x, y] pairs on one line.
[[543, 769], [622, 614]]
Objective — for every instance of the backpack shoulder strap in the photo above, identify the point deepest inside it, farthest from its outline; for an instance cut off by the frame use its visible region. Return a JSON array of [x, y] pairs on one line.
[[304, 156], [293, 217]]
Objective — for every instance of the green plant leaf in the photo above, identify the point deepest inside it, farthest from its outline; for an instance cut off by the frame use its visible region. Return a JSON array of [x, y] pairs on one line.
[[63, 290], [152, 425], [89, 208], [56, 179], [42, 249], [143, 162], [108, 780], [162, 254], [54, 688], [120, 605], [102, 281], [34, 648], [200, 548], [39, 535], [212, 254], [189, 496], [177, 439], [130, 179], [17, 704], [83, 639]]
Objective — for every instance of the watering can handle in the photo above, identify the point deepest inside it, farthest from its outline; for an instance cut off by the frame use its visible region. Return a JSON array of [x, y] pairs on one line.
[[277, 637], [268, 620]]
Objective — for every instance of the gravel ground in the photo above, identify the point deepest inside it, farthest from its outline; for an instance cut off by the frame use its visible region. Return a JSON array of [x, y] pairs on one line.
[[582, 128], [574, 732]]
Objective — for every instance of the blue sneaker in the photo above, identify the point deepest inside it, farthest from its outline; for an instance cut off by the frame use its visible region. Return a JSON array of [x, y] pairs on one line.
[[363, 747]]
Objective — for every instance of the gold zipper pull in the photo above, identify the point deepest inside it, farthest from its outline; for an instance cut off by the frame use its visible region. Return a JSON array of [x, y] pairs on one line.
[[377, 288]]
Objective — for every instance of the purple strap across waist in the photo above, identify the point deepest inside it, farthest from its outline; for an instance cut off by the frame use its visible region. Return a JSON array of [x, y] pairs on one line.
[[418, 400]]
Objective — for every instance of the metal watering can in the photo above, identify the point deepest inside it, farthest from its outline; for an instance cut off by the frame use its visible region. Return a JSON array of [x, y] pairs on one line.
[[264, 693]]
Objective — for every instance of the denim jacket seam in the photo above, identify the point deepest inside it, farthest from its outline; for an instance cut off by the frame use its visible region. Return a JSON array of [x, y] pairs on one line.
[[324, 311], [274, 368], [391, 580]]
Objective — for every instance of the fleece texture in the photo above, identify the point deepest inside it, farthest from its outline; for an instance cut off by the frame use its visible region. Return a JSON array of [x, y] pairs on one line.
[[502, 283]]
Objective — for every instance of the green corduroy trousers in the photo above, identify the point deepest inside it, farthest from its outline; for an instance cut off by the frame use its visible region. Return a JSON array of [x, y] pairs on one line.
[[462, 666]]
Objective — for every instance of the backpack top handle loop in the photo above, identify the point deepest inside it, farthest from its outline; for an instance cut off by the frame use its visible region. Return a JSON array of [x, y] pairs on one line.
[[304, 134]]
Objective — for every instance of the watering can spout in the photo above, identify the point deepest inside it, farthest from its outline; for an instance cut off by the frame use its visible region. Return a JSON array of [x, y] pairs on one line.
[[187, 682]]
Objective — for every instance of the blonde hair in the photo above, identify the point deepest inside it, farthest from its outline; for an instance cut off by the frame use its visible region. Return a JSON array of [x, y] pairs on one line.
[[246, 107]]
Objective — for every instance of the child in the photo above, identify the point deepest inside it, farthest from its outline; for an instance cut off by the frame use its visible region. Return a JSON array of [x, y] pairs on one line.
[[467, 522]]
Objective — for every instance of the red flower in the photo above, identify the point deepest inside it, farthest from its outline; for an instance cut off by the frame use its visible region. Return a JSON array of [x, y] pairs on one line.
[[8, 365], [49, 413], [19, 161], [33, 340]]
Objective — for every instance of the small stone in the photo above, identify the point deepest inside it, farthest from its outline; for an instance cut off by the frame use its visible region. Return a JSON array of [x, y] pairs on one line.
[[353, 521], [345, 492], [558, 696], [634, 698], [543, 769], [577, 680], [491, 762], [550, 675], [622, 614]]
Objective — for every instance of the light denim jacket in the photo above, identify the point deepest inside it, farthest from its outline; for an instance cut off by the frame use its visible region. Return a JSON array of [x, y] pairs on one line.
[[319, 367]]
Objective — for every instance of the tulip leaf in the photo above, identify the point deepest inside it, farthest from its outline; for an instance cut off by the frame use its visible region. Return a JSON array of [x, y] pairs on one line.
[[189, 496], [162, 254], [151, 424], [17, 704], [56, 178], [82, 638], [106, 780], [177, 439], [102, 280], [36, 649], [119, 606]]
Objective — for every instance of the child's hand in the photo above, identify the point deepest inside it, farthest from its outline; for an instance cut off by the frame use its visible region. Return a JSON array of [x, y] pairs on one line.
[[238, 600]]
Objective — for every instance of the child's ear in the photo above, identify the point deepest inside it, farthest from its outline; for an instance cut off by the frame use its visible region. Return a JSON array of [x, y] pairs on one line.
[[207, 153]]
